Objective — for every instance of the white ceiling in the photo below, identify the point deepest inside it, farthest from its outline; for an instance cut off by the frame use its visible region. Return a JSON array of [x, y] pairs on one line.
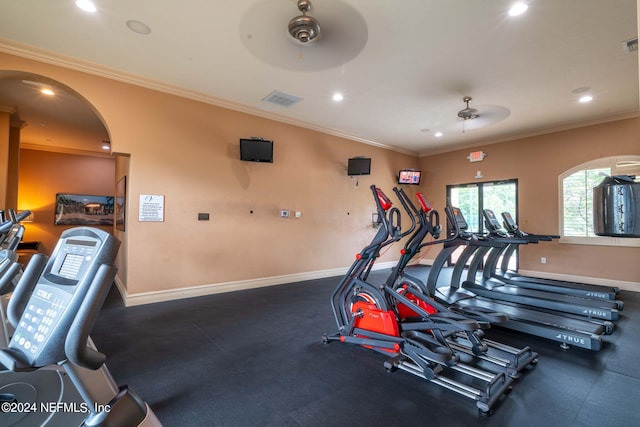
[[403, 66]]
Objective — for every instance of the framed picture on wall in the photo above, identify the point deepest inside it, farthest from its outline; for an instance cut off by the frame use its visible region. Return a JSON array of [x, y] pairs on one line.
[[81, 209], [121, 203]]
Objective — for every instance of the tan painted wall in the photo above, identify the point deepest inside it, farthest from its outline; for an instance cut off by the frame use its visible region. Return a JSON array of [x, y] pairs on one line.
[[188, 152], [43, 174], [537, 162]]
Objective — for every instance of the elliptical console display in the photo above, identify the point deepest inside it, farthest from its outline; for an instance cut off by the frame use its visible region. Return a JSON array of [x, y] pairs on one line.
[[51, 360], [60, 293]]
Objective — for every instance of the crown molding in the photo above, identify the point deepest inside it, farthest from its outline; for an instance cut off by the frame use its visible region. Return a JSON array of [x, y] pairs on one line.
[[529, 134], [51, 58], [64, 150]]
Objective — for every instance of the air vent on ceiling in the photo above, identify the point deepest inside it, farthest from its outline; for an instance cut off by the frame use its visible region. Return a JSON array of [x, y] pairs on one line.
[[281, 98], [630, 45]]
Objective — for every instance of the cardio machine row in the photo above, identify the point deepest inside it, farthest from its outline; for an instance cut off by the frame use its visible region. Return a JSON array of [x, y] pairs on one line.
[[414, 332], [50, 371], [570, 319]]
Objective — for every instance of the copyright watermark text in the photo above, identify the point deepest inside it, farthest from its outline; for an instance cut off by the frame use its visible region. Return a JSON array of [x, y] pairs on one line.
[[49, 407]]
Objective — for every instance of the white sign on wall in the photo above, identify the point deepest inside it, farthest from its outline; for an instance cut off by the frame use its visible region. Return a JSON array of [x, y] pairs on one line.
[[151, 208]]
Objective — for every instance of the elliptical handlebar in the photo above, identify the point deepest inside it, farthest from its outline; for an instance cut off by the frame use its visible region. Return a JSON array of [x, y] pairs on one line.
[[76, 345], [6, 226], [20, 216], [409, 208], [434, 216], [395, 227], [389, 218], [426, 206], [449, 211], [382, 205], [24, 288]]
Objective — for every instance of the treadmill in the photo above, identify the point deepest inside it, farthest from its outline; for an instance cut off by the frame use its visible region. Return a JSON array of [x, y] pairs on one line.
[[569, 330], [487, 285], [551, 285]]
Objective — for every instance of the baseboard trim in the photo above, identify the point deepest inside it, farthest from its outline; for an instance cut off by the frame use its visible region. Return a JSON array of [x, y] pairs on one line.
[[217, 288], [627, 286]]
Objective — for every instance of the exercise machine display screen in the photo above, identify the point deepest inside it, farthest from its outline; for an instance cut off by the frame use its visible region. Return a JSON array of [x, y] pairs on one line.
[[70, 268], [73, 259]]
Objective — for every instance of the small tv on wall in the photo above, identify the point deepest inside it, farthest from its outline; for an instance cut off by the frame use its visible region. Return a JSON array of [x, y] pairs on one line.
[[359, 166], [256, 150], [409, 176]]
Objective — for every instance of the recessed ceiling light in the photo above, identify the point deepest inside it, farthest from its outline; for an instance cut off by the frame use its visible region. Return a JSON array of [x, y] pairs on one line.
[[585, 99], [438, 134], [86, 5], [518, 9], [138, 27], [338, 97]]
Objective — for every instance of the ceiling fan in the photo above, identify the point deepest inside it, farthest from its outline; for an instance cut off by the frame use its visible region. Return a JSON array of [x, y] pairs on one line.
[[305, 29], [333, 36], [468, 113], [473, 118]]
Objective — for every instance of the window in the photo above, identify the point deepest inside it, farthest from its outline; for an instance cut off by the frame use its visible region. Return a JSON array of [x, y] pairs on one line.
[[576, 199], [471, 199]]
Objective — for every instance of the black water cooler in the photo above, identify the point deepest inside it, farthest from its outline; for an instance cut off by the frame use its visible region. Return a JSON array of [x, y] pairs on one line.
[[616, 207]]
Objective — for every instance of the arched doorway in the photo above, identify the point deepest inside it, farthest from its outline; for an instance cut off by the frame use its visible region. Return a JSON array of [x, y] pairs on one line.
[[57, 143]]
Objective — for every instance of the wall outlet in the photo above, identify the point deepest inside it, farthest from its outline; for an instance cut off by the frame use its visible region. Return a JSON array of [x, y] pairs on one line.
[[543, 260], [284, 213]]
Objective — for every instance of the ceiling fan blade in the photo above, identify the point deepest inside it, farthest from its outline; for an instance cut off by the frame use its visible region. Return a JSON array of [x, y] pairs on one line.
[[488, 115]]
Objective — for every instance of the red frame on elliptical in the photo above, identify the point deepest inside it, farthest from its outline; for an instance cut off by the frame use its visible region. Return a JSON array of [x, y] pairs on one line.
[[426, 206], [385, 202]]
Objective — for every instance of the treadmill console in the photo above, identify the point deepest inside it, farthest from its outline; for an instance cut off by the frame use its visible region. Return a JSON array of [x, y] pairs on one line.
[[509, 222], [59, 294], [491, 221], [462, 223]]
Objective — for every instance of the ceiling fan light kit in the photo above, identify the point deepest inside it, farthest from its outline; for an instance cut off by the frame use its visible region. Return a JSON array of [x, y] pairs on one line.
[[468, 113], [304, 29], [487, 115]]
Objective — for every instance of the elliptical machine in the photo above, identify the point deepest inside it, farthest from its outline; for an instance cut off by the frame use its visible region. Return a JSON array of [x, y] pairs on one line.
[[416, 340], [11, 232], [55, 376], [511, 359]]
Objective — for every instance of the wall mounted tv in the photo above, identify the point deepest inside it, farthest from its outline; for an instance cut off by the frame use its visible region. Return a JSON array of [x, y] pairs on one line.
[[256, 150], [409, 176], [359, 166]]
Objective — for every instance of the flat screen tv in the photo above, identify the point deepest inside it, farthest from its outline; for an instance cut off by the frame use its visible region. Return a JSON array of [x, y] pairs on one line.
[[409, 176], [359, 166], [256, 150]]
